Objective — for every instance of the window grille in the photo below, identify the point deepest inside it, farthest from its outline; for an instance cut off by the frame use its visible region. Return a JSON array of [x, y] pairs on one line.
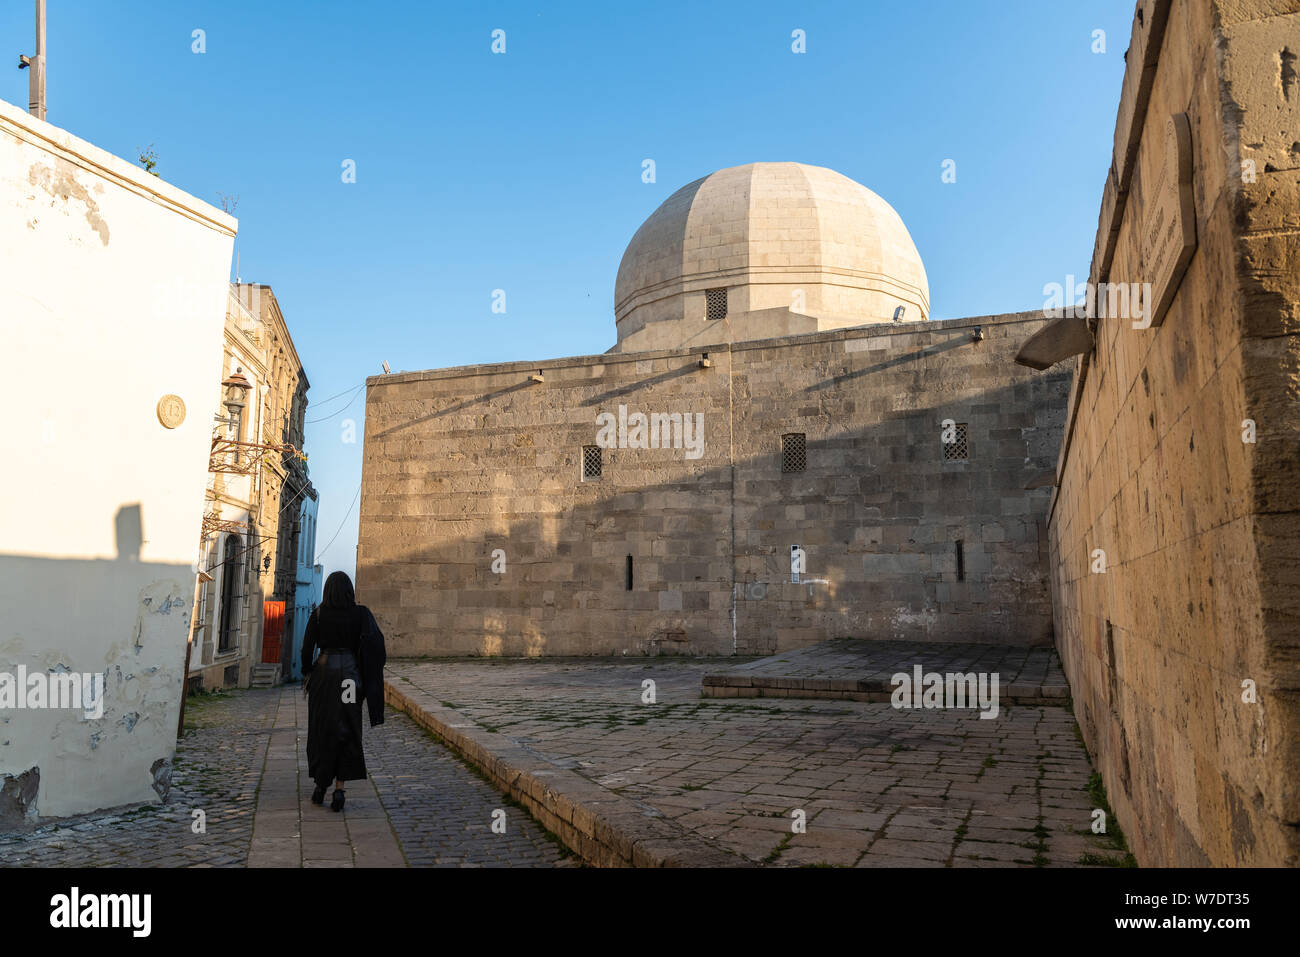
[[794, 452], [717, 303], [591, 461], [957, 450]]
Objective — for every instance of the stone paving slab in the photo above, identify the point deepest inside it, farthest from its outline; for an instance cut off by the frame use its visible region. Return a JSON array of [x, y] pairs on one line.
[[851, 669], [873, 785]]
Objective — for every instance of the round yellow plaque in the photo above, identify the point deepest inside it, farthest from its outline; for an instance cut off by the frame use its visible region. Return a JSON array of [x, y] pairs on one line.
[[171, 411]]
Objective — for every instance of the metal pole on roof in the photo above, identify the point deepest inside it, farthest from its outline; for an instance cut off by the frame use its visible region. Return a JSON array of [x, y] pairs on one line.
[[36, 81]]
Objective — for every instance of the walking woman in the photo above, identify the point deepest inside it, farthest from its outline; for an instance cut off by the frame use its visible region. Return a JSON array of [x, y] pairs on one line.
[[349, 671]]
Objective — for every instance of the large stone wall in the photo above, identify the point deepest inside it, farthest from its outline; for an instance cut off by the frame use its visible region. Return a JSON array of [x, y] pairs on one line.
[[461, 462], [1198, 527]]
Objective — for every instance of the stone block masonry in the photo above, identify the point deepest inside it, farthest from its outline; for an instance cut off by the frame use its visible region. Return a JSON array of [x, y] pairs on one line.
[[1181, 460], [481, 534]]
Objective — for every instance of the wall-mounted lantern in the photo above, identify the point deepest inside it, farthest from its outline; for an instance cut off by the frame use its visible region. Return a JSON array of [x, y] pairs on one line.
[[235, 389]]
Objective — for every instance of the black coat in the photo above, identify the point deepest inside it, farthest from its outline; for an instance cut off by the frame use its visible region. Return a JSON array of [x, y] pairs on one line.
[[371, 660], [352, 629]]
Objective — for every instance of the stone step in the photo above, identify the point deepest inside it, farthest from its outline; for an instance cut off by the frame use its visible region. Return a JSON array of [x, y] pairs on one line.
[[862, 670], [265, 675]]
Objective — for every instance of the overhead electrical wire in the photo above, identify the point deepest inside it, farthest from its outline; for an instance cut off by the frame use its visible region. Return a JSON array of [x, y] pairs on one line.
[[341, 524], [355, 392]]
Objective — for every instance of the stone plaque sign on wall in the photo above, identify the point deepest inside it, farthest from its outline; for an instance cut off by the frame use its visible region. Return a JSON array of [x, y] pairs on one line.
[[171, 411], [1169, 224]]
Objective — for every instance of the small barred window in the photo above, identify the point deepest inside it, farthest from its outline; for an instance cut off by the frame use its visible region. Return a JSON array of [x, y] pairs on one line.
[[794, 452], [591, 461], [717, 303], [957, 450]]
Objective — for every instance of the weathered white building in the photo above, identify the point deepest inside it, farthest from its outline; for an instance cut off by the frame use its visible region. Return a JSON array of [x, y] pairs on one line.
[[113, 288]]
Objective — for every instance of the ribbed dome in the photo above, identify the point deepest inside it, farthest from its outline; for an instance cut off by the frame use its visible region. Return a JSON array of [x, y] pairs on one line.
[[797, 248]]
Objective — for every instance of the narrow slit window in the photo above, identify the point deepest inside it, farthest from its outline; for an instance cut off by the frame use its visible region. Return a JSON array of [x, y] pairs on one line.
[[591, 462], [1112, 676], [958, 450], [717, 303], [961, 561], [629, 573], [794, 452]]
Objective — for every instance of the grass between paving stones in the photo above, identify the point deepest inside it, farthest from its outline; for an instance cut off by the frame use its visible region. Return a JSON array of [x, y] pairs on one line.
[[1097, 793], [960, 835], [1114, 835], [1040, 830], [197, 705], [778, 850]]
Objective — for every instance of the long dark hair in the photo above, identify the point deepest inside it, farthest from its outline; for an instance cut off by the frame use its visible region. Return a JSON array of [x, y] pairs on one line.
[[338, 593]]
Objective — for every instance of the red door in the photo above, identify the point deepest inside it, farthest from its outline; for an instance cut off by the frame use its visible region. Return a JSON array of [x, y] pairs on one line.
[[272, 631]]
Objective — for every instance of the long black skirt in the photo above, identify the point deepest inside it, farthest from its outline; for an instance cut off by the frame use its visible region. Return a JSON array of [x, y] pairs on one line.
[[333, 725]]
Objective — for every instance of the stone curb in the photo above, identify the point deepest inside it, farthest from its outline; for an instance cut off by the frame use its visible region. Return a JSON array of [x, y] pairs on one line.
[[842, 689], [601, 827]]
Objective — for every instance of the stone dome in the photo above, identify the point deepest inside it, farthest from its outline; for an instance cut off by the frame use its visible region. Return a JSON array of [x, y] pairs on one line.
[[796, 248]]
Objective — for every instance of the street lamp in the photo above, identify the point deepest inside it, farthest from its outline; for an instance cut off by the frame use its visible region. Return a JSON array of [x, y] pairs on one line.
[[236, 391]]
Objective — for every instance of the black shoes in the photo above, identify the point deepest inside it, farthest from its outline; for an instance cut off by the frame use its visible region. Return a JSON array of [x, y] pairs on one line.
[[318, 795], [337, 803]]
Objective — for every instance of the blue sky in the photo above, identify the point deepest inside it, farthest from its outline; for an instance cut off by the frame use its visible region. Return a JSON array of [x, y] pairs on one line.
[[522, 171]]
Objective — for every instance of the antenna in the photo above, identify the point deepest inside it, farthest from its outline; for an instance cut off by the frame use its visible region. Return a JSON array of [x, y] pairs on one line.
[[36, 82]]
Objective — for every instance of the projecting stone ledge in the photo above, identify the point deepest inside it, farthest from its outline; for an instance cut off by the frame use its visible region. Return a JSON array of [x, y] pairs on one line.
[[1059, 339], [850, 669], [600, 826]]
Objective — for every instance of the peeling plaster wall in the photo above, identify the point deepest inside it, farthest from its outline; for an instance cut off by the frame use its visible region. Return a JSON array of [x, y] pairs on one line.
[[113, 290]]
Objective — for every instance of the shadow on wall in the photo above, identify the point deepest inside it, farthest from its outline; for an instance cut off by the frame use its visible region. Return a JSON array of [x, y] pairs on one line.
[[898, 541], [124, 619], [129, 526]]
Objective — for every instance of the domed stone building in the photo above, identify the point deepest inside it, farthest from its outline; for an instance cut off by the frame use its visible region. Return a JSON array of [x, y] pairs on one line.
[[777, 249], [863, 477], [781, 447]]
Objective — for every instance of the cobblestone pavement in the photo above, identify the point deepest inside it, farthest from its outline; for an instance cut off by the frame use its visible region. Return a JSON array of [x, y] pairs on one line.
[[442, 811], [217, 769], [877, 786], [421, 805]]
